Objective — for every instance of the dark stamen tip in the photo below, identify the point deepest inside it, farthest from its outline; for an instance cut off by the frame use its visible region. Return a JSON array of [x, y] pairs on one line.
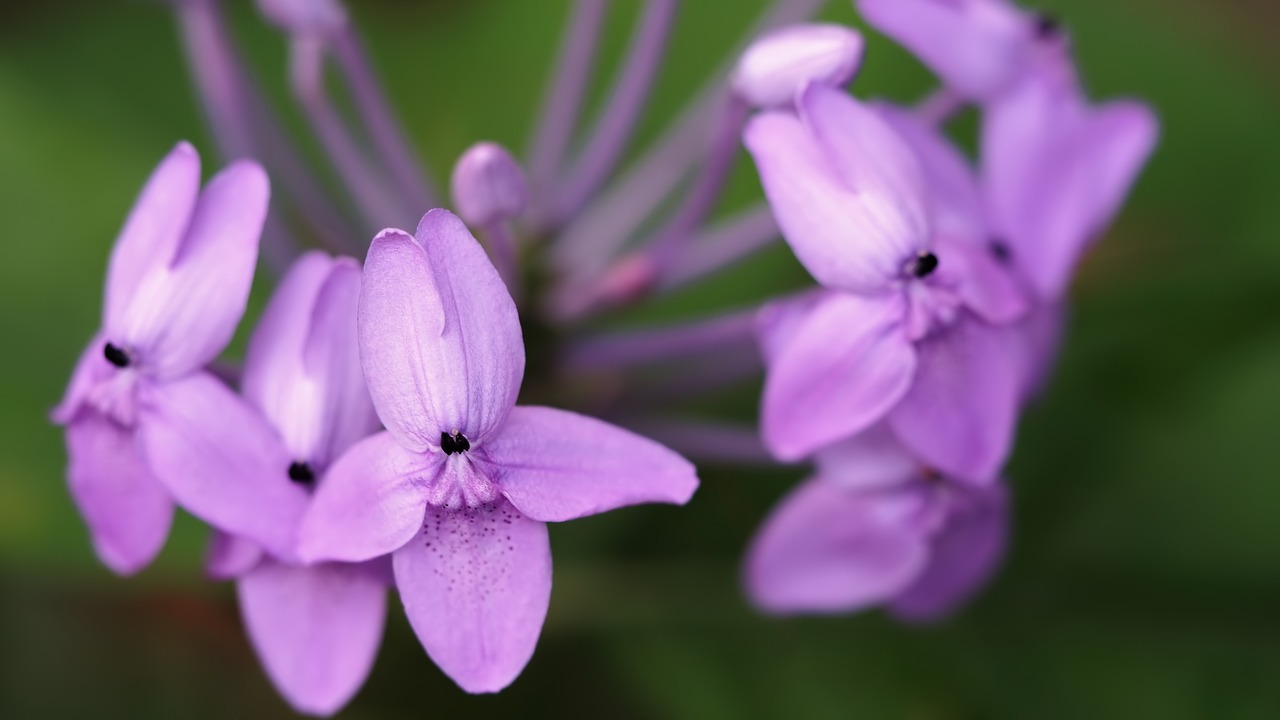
[[924, 264], [1047, 25], [115, 356], [301, 472], [455, 443], [1000, 250]]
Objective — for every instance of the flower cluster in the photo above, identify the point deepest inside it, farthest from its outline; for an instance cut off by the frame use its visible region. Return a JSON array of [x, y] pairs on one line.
[[370, 439]]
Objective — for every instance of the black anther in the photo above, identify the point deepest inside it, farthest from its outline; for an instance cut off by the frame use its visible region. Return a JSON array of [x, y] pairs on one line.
[[301, 472], [454, 443], [924, 264], [1047, 25], [115, 356], [1000, 250]]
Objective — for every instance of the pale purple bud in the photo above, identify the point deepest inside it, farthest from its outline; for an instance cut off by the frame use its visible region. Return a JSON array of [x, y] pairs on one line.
[[488, 185], [305, 17], [778, 64]]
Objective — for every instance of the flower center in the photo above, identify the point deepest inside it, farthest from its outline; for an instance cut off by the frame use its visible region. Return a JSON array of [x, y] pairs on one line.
[[922, 266], [301, 472], [1000, 249], [454, 443], [116, 356]]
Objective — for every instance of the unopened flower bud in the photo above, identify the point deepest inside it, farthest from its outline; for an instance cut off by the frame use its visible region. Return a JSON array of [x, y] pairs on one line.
[[778, 64], [305, 17], [488, 185]]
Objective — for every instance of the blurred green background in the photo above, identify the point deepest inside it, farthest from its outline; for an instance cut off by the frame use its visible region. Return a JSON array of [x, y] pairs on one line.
[[1144, 579]]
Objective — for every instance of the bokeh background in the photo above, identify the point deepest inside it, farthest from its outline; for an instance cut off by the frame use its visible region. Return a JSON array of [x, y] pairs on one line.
[[1144, 580]]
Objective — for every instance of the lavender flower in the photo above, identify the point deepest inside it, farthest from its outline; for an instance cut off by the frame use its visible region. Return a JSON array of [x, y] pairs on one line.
[[315, 628], [177, 284], [875, 527], [461, 485], [779, 63], [911, 326]]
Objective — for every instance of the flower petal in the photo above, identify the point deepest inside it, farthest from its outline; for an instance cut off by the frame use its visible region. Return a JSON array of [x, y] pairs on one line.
[[229, 556], [848, 364], [965, 554], [960, 413], [302, 367], [316, 629], [154, 229], [778, 320], [776, 65], [369, 503], [976, 48], [874, 458], [439, 335], [476, 586], [127, 510], [555, 465], [827, 549], [222, 461], [832, 230], [181, 316], [983, 283]]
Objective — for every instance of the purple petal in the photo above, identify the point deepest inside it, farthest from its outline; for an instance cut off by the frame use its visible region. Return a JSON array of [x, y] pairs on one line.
[[316, 629], [439, 334], [847, 365], [223, 462], [229, 556], [488, 185], [778, 320], [151, 235], [959, 415], [777, 65], [965, 554], [846, 237], [982, 282], [827, 549], [127, 510], [874, 458], [181, 316], [977, 48], [91, 369], [476, 585], [369, 503], [302, 368], [555, 465], [954, 197], [1040, 335]]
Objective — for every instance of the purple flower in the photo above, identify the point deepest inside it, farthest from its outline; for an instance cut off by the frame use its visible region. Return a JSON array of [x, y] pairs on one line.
[[980, 48], [1056, 169], [177, 285], [255, 462], [911, 324], [875, 527], [779, 63], [461, 485]]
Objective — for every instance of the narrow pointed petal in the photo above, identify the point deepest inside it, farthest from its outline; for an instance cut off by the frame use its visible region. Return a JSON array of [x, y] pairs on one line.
[[846, 367], [316, 629], [369, 503], [154, 229], [977, 48], [555, 465], [223, 462], [439, 335], [965, 554], [826, 549], [127, 510], [955, 200], [476, 585], [302, 367], [229, 556], [844, 239], [874, 458], [875, 162], [182, 316], [960, 414]]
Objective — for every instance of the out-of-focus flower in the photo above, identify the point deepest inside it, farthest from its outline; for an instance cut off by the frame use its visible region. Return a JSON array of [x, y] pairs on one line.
[[912, 325], [177, 285], [777, 65], [488, 185], [461, 485], [980, 48], [315, 628], [875, 527], [318, 18]]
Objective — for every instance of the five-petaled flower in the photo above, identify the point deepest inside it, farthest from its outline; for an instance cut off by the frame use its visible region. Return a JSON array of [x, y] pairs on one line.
[[461, 485]]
